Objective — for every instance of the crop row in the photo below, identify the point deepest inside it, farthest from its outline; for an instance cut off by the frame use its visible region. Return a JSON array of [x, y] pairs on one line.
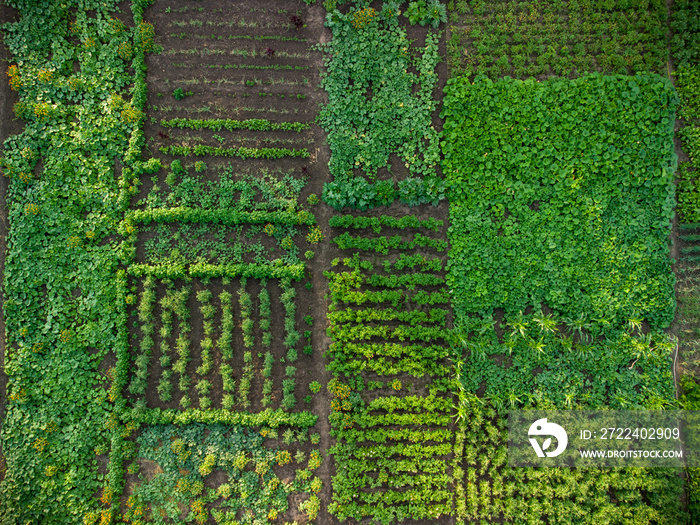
[[435, 316], [382, 245], [388, 359], [231, 125], [686, 51], [201, 150], [402, 262], [255, 67], [376, 223], [345, 287], [218, 216], [238, 52], [279, 38], [210, 271]]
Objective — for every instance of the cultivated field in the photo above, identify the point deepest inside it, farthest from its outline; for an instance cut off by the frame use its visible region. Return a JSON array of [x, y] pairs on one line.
[[291, 262]]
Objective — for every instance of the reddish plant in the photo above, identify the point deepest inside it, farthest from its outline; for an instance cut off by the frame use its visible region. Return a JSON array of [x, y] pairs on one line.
[[297, 21]]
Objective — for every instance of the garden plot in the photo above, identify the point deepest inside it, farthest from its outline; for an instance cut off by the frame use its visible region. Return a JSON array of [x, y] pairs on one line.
[[382, 71], [214, 344], [217, 420], [561, 277], [224, 472], [562, 38], [387, 317], [229, 215], [389, 306], [233, 62]]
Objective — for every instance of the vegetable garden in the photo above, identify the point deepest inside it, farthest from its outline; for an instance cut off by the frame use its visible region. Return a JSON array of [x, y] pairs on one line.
[[293, 261]]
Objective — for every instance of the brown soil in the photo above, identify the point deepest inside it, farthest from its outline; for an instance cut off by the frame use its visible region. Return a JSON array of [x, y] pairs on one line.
[[686, 351], [9, 125]]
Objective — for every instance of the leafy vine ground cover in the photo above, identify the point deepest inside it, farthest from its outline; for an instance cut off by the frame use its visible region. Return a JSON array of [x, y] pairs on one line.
[[61, 308], [578, 222], [559, 256]]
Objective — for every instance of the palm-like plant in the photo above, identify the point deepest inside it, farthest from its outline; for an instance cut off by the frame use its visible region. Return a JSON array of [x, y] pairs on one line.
[[578, 325], [545, 322], [518, 326]]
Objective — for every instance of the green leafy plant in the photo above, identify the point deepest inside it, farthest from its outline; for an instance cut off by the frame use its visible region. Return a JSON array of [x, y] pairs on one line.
[[423, 12], [381, 111], [245, 304], [201, 150], [265, 312], [179, 94], [613, 150], [559, 321], [231, 125]]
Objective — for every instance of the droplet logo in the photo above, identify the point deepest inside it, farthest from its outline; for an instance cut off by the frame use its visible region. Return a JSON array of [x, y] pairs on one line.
[[543, 428]]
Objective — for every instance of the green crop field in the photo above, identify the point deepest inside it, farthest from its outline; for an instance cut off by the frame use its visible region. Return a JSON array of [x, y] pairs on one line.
[[294, 261]]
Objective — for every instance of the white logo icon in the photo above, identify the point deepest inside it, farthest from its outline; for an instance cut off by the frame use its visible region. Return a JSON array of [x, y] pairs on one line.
[[542, 428]]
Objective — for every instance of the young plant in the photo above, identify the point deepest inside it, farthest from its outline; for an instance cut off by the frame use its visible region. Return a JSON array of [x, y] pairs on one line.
[[207, 311], [246, 304], [227, 327], [297, 21], [264, 313], [246, 380], [179, 94], [145, 311]]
